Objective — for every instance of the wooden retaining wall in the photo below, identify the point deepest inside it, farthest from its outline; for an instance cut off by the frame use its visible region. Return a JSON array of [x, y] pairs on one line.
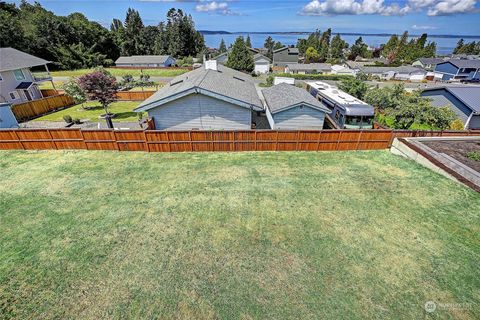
[[197, 141]]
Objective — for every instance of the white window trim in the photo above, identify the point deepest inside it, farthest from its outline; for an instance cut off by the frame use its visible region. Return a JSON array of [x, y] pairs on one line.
[[23, 74], [15, 94]]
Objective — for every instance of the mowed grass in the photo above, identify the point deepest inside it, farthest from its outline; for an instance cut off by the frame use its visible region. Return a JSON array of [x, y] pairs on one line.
[[123, 112], [334, 235], [122, 72]]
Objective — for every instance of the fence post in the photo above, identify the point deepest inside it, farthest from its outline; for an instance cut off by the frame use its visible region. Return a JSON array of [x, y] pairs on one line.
[[255, 138], [145, 140], [358, 139], [276, 141], [51, 138], [338, 140], [190, 139], [18, 138], [298, 137]]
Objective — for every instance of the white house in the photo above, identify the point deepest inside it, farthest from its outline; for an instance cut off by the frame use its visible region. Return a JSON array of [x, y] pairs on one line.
[[262, 64], [146, 61]]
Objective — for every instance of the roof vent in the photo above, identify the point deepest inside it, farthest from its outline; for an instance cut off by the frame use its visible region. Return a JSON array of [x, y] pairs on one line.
[[211, 65], [176, 82]]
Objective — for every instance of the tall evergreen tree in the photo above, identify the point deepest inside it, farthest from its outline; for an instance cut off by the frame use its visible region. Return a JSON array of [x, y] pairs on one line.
[[459, 46], [222, 48], [269, 44], [132, 42], [240, 58], [248, 42], [337, 46]]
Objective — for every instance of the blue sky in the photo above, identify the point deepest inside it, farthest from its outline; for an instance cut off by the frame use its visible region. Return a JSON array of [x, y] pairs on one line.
[[459, 17]]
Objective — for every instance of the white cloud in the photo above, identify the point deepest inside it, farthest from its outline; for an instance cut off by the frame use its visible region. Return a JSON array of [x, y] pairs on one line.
[[381, 7], [418, 27], [353, 7], [449, 7], [215, 7]]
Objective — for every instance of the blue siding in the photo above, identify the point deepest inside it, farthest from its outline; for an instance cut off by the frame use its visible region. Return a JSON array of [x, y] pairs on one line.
[[446, 67], [197, 111], [299, 118]]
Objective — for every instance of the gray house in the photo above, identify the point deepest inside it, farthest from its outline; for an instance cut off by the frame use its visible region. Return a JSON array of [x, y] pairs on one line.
[[285, 56], [212, 97], [464, 101], [17, 83], [145, 61], [293, 108], [308, 68]]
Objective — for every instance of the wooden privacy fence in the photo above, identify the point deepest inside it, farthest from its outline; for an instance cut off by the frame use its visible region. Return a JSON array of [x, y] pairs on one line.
[[134, 95], [192, 141], [34, 108]]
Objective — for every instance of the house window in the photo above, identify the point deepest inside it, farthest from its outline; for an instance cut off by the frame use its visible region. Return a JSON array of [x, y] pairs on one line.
[[19, 74], [14, 95]]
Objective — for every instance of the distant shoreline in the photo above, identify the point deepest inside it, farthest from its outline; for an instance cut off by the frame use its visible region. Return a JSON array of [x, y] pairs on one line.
[[209, 32]]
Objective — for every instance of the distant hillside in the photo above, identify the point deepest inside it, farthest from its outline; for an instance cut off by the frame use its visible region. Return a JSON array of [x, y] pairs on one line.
[[213, 32]]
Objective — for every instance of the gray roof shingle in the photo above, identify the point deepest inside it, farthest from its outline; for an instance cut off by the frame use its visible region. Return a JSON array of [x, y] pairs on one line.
[[225, 82], [428, 61], [468, 95], [284, 95], [464, 63], [12, 59], [401, 69], [309, 66], [143, 59]]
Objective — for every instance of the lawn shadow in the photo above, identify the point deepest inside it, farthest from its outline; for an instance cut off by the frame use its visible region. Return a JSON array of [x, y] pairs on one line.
[[124, 115]]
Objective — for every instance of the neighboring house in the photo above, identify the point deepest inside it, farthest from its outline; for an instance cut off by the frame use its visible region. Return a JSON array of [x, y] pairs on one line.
[[396, 73], [427, 63], [465, 56], [145, 61], [464, 101], [356, 65], [292, 108], [7, 118], [458, 69], [285, 56], [262, 64], [308, 68], [222, 58], [213, 97], [338, 69], [17, 83]]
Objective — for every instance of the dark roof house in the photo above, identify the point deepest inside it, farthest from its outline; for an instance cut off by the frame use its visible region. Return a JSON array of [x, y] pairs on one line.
[[464, 101], [427, 63], [284, 56], [458, 69]]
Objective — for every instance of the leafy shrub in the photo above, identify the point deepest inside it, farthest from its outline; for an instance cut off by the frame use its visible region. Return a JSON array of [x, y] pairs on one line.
[[457, 124], [67, 118], [76, 121], [474, 155]]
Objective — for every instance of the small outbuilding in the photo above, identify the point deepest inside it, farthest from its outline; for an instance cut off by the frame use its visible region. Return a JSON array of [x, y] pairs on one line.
[[145, 61], [292, 108]]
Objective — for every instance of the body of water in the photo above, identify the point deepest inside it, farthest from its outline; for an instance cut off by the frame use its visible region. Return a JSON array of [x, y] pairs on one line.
[[444, 45]]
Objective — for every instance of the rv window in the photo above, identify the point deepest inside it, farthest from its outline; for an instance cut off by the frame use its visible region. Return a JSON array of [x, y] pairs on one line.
[[337, 115]]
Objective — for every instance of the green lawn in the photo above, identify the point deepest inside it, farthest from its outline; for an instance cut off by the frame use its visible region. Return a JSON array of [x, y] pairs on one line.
[[121, 72], [122, 109], [333, 235]]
